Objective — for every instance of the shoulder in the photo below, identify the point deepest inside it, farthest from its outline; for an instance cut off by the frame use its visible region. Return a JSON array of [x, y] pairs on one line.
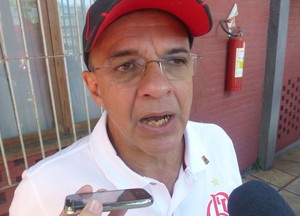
[[67, 155], [211, 138], [50, 178], [192, 125], [206, 131]]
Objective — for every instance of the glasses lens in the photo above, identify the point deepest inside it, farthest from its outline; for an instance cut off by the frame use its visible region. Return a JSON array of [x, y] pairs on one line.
[[179, 66], [124, 70]]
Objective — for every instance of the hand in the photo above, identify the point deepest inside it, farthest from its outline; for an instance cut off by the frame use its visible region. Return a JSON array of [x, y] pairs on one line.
[[94, 207]]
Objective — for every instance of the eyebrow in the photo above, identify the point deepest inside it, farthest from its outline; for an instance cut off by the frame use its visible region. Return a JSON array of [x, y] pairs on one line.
[[123, 53], [177, 50], [130, 52]]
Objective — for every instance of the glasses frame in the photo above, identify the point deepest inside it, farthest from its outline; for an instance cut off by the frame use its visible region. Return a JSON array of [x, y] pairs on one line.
[[144, 64]]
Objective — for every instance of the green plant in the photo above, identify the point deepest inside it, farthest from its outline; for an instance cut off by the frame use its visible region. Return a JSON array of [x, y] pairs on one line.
[[256, 166]]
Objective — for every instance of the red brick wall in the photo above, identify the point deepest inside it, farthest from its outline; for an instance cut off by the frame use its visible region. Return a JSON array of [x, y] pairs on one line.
[[239, 113], [289, 121]]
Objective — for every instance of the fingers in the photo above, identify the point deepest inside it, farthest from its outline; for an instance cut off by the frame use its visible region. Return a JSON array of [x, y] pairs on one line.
[[84, 189], [93, 208], [117, 213], [101, 190]]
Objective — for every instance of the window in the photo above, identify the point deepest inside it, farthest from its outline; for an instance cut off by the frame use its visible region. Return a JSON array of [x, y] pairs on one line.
[[43, 101]]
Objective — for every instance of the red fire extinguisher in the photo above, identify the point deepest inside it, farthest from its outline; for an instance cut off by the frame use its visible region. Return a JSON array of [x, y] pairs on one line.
[[235, 59]]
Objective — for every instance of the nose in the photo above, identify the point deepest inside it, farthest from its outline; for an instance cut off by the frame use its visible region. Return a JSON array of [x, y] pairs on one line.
[[154, 83]]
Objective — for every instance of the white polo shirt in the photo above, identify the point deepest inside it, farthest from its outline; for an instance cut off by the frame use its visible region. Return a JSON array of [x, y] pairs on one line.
[[207, 177]]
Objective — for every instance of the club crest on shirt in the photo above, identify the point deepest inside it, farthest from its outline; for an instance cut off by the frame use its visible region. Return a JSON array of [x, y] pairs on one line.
[[217, 206]]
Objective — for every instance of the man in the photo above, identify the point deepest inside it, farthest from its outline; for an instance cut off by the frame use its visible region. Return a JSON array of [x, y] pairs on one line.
[[140, 70]]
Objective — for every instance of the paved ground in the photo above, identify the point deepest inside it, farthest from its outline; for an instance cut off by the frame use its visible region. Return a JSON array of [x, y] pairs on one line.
[[284, 177]]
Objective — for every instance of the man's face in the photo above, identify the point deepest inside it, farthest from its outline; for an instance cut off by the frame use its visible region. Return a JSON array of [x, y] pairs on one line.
[[148, 114]]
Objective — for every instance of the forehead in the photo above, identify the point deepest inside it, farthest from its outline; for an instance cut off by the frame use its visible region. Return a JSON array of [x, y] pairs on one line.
[[142, 30]]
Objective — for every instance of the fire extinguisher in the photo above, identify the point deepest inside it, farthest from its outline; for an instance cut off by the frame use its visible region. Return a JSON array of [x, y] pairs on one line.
[[235, 59]]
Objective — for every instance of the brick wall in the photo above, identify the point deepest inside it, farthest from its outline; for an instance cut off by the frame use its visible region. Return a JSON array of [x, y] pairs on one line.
[[239, 113], [289, 120]]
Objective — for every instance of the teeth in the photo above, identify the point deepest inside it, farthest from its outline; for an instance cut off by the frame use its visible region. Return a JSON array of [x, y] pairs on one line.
[[158, 122]]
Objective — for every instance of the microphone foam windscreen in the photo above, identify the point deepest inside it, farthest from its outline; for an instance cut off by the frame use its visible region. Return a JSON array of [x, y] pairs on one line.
[[256, 198]]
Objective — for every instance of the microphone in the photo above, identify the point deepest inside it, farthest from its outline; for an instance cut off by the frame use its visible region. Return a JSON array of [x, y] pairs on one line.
[[256, 198]]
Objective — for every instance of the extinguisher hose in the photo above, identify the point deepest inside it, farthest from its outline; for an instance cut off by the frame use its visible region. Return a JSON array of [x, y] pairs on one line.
[[224, 21]]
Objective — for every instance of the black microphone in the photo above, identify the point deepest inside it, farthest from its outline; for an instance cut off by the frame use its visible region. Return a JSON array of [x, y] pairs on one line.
[[256, 198]]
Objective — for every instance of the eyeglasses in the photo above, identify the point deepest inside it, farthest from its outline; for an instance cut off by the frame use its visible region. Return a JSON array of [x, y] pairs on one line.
[[131, 69]]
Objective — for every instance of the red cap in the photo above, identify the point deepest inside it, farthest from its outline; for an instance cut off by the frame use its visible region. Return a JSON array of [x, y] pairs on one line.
[[194, 14]]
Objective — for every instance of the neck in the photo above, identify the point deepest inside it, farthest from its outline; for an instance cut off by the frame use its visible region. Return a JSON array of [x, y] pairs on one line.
[[164, 168], [149, 159]]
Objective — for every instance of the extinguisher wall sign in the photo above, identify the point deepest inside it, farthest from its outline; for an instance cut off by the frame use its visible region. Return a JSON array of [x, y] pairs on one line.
[[235, 63], [239, 65]]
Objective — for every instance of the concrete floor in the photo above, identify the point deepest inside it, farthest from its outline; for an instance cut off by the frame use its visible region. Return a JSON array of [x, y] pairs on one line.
[[284, 177]]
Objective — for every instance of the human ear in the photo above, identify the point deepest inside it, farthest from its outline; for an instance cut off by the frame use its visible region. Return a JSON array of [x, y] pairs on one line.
[[93, 86]]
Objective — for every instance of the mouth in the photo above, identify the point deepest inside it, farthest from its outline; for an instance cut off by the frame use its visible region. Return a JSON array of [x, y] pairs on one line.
[[156, 120]]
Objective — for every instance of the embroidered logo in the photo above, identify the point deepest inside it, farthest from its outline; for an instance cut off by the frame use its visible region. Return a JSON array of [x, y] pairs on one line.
[[217, 206], [205, 160]]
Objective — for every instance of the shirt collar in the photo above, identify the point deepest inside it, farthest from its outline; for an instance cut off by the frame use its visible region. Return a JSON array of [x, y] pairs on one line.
[[196, 158], [121, 175]]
